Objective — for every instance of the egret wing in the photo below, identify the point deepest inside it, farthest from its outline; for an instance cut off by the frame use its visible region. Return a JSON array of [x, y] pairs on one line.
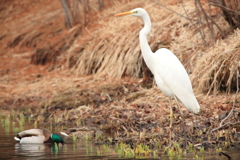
[[174, 77]]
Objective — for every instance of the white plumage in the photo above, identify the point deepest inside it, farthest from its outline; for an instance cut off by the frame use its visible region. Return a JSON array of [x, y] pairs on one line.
[[38, 136], [33, 139]]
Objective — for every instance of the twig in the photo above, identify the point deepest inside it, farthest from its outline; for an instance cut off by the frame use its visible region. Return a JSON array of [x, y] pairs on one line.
[[231, 112], [69, 17], [225, 154], [223, 7], [234, 103], [229, 123], [173, 11], [199, 30], [207, 18]]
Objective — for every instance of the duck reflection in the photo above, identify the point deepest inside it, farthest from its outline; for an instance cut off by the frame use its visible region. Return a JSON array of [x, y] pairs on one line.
[[36, 149]]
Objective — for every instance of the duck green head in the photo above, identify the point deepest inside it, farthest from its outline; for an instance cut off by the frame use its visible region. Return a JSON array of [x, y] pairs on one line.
[[56, 138]]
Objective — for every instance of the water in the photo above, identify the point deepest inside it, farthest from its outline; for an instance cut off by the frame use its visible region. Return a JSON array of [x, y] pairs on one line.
[[10, 149]]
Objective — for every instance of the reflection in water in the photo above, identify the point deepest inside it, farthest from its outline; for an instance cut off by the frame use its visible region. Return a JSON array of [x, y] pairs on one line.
[[45, 151], [37, 150], [48, 151], [32, 149], [10, 149]]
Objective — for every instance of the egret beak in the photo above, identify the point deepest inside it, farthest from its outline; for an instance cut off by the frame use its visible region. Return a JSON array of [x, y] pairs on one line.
[[124, 13]]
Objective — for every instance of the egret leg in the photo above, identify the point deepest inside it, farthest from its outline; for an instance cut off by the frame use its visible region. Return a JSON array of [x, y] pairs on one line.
[[171, 121], [183, 125]]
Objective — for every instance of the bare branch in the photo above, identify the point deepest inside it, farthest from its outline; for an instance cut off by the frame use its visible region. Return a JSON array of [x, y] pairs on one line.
[[223, 7], [234, 103], [199, 30], [173, 11], [200, 23], [232, 110], [69, 18], [230, 10], [207, 18], [220, 127]]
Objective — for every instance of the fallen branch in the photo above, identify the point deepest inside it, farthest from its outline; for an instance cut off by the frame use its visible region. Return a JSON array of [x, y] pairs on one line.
[[225, 154], [227, 124]]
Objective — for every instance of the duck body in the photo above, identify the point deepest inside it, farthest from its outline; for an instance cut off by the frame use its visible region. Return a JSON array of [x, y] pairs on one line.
[[82, 132], [38, 136]]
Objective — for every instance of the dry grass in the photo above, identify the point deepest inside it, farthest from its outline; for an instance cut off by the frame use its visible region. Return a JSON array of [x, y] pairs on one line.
[[36, 35], [109, 46], [108, 49], [113, 48], [217, 68]]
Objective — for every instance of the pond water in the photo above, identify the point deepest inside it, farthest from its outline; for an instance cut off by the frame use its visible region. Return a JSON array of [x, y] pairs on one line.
[[10, 149]]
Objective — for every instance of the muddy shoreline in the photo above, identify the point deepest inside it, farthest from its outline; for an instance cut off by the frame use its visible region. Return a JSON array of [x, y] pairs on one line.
[[132, 115]]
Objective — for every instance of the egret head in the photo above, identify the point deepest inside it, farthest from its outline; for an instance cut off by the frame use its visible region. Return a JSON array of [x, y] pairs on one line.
[[138, 12]]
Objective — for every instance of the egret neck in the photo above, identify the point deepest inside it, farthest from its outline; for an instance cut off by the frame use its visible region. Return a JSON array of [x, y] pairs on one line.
[[145, 48]]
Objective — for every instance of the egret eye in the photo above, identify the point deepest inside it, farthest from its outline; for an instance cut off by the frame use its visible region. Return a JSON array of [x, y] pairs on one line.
[[135, 12]]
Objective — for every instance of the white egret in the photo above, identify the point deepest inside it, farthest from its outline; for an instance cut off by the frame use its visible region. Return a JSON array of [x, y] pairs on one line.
[[169, 73]]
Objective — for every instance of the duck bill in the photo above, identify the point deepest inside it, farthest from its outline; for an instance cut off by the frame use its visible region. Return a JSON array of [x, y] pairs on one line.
[[124, 13]]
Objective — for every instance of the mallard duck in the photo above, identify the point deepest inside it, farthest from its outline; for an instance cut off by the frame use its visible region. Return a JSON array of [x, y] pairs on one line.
[[38, 136], [82, 132]]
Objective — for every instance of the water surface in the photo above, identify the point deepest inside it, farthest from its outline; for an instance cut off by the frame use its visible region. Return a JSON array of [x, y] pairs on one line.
[[10, 149]]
